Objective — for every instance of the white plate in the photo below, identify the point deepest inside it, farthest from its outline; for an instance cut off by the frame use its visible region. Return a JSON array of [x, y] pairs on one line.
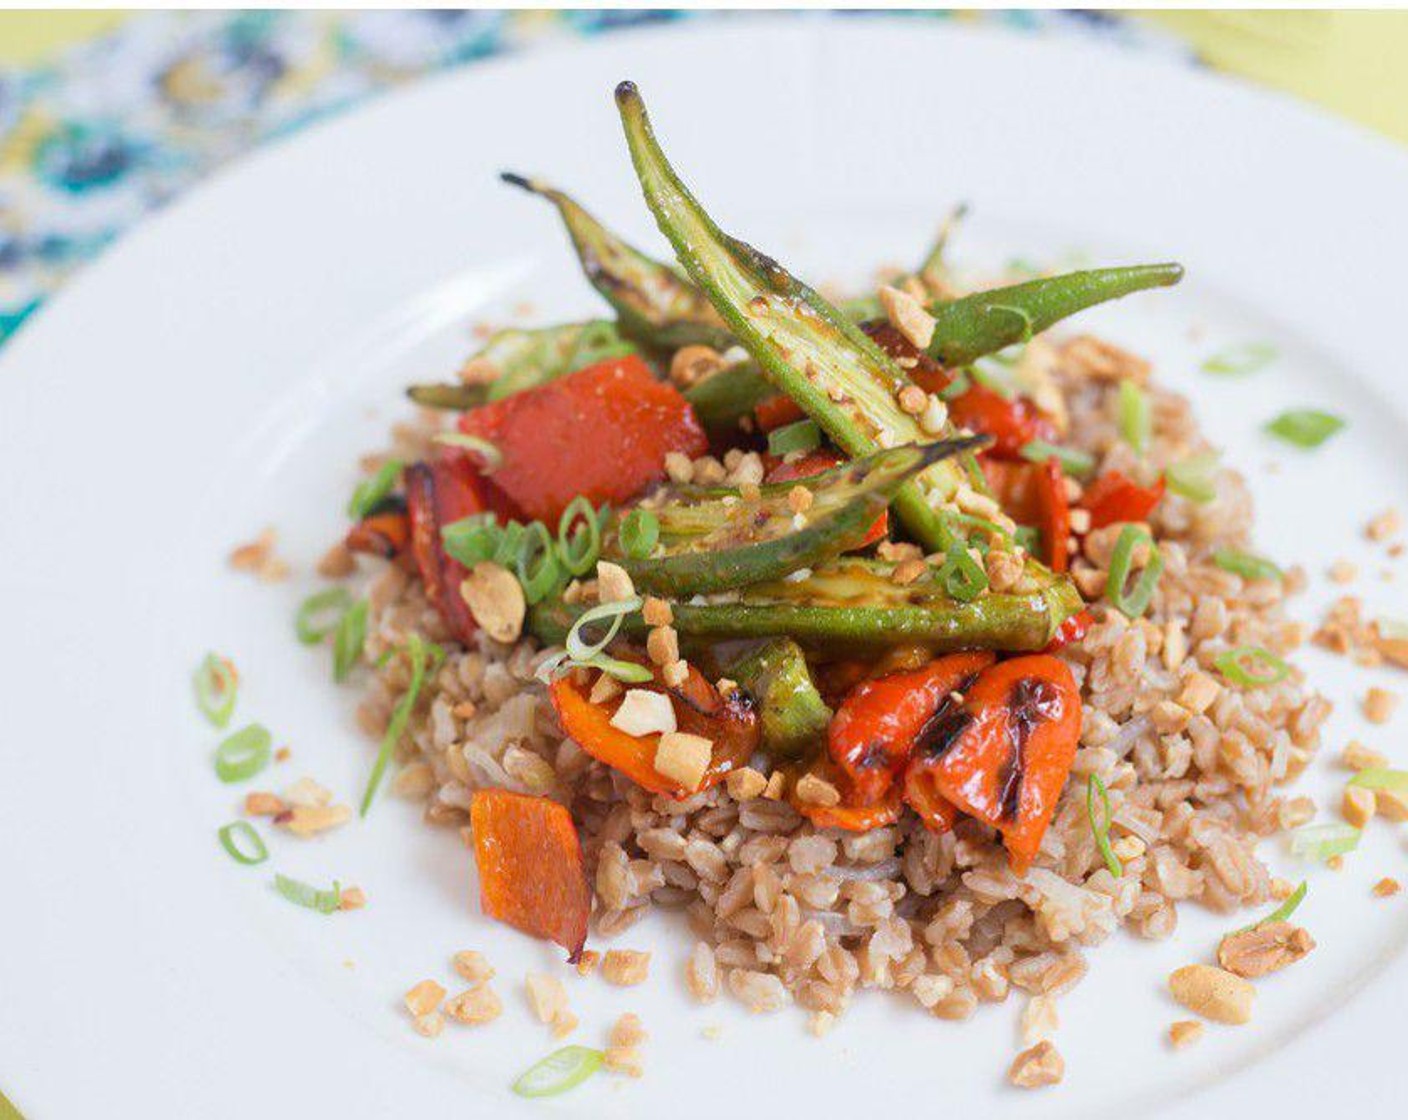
[[221, 369]]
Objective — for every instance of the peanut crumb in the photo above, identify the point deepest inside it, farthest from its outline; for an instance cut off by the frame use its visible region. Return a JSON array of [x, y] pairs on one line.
[[1356, 756], [683, 758], [1184, 1033], [907, 571], [1384, 525], [1386, 888], [263, 804], [475, 1006], [1213, 993], [1040, 1065], [627, 1031], [745, 784], [625, 967], [613, 582], [587, 962], [1379, 705], [429, 1025], [258, 557], [1357, 805], [662, 644], [605, 689], [352, 898], [820, 1023], [1263, 949], [908, 316], [495, 599], [799, 499], [776, 788], [1342, 571], [473, 965], [656, 612], [424, 998], [812, 790], [546, 996]]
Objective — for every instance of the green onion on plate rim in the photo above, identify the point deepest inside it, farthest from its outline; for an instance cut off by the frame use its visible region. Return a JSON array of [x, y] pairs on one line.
[[561, 1070], [1305, 427], [309, 897], [217, 687], [1246, 357], [242, 843], [1324, 841], [348, 639], [319, 614], [244, 753]]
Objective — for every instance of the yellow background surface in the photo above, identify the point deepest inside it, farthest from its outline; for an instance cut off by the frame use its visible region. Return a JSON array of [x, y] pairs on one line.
[[1349, 62]]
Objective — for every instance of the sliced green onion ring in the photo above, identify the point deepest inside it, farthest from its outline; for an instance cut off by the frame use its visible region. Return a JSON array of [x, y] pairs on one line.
[[1077, 464], [1251, 666], [510, 540], [956, 388], [536, 564], [216, 689], [490, 456], [1133, 601], [309, 897], [244, 753], [639, 533], [472, 539], [1195, 477], [424, 656], [579, 520], [1305, 427], [242, 843], [561, 1070], [804, 435], [1246, 357], [319, 614], [1245, 564], [578, 648], [371, 490], [1136, 416], [1101, 826], [348, 639], [1380, 777], [1284, 911], [599, 341], [991, 375], [1324, 841]]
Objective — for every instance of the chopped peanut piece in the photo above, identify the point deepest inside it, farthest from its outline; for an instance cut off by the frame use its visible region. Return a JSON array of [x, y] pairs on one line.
[[475, 1006], [799, 499], [1213, 993], [1357, 805], [820, 1023], [643, 712], [623, 1059], [473, 965], [663, 645], [1386, 888], [776, 789], [1379, 705], [1391, 805], [812, 790], [1041, 1065], [1266, 948], [613, 583], [683, 758], [352, 898], [546, 996], [1343, 571], [656, 612], [692, 364], [605, 689], [1039, 1019], [304, 820], [1357, 756], [908, 316], [1383, 526], [628, 1031], [495, 599], [907, 571], [1184, 1033], [745, 784], [675, 673], [625, 967], [429, 1025], [424, 998], [587, 962], [260, 804]]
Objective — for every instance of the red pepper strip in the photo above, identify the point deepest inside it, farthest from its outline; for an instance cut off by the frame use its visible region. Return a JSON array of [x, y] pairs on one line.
[[531, 873], [1114, 497], [1007, 750], [438, 493], [1072, 630], [601, 432], [1035, 494], [851, 814], [777, 412], [729, 722], [814, 463], [385, 534], [880, 723]]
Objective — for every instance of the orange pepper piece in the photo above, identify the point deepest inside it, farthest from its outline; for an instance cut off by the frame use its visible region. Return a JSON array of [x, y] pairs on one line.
[[601, 432], [883, 720], [1114, 497], [1007, 750], [851, 815], [730, 723], [530, 866]]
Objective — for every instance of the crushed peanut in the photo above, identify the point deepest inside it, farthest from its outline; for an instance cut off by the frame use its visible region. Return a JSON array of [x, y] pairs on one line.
[[495, 599], [625, 967], [745, 784], [1184, 1033], [812, 790], [1391, 805], [1384, 525], [776, 788], [473, 965], [683, 757], [1357, 805], [662, 645], [1040, 1065], [475, 1006], [1357, 756], [1003, 569], [693, 364], [642, 712], [587, 962], [352, 898], [799, 499], [1343, 571], [820, 1023], [1386, 888], [679, 467], [309, 820], [338, 562], [627, 1031], [613, 583], [1213, 993], [1379, 705], [263, 804], [656, 612], [908, 316], [1263, 949], [424, 998], [1039, 1019], [907, 571], [605, 689], [547, 998], [258, 557], [675, 673]]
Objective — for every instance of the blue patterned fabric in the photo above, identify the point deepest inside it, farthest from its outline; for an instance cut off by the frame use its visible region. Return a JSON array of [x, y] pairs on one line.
[[117, 127]]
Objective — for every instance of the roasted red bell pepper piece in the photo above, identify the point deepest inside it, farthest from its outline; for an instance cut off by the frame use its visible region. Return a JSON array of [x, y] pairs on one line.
[[777, 412], [601, 432], [1035, 494], [729, 722], [1114, 497], [851, 814], [531, 873], [813, 463], [883, 720], [1005, 752]]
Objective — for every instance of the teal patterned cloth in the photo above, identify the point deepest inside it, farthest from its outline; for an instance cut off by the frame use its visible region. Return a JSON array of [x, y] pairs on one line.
[[117, 127]]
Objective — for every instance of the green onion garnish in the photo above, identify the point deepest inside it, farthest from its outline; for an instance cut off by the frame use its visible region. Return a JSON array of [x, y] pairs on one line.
[[310, 898], [508, 542], [956, 388], [319, 614], [962, 576], [628, 672], [216, 689], [577, 646], [599, 341], [372, 490], [492, 457], [991, 375], [638, 534], [1195, 477], [1132, 601], [422, 655], [561, 1070], [472, 539], [1322, 841], [1251, 666], [348, 638], [1379, 777], [1305, 427], [243, 844], [1136, 416], [536, 564], [1027, 537], [1245, 564], [976, 478], [1077, 464], [1284, 911], [243, 754], [579, 545], [1248, 357], [1101, 826], [804, 435]]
